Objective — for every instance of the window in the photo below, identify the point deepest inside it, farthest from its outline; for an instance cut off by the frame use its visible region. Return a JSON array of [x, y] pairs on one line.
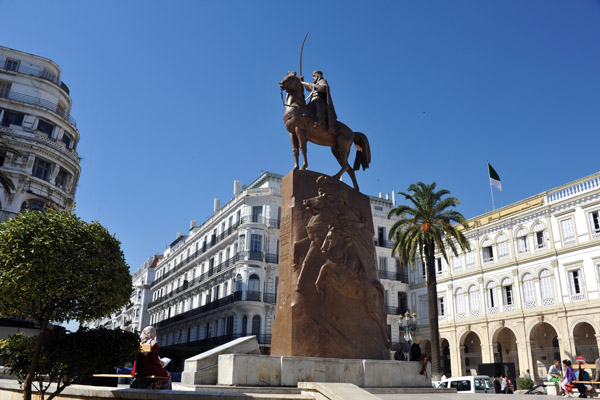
[[528, 292], [438, 265], [474, 301], [255, 243], [12, 118], [424, 308], [522, 241], [238, 283], [11, 65], [488, 254], [576, 288], [41, 169], [257, 214], [4, 88], [470, 259], [66, 139], [547, 288], [383, 265], [502, 247], [595, 223], [2, 158], [460, 304], [256, 325], [242, 243], [45, 127], [507, 296], [567, 231], [33, 205], [381, 236], [441, 307], [456, 264], [62, 179]]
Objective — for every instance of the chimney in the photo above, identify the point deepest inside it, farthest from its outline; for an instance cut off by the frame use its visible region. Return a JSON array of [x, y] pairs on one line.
[[192, 224], [237, 187], [179, 234], [217, 204], [393, 198], [387, 196], [380, 195]]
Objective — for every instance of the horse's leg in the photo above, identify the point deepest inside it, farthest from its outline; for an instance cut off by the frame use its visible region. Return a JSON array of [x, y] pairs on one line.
[[294, 140], [341, 152], [302, 140]]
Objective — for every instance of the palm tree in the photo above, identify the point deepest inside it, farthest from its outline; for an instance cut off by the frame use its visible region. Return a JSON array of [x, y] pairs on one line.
[[5, 181], [424, 228]]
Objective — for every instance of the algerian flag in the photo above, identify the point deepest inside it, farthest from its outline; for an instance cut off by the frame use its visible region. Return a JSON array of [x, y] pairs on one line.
[[494, 178]]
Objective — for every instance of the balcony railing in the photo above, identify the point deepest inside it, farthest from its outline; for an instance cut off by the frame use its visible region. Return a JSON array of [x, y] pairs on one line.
[[383, 243], [36, 101], [401, 276], [252, 296], [22, 69]]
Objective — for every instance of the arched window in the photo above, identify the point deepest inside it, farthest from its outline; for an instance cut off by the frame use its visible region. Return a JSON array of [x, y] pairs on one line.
[[256, 326], [528, 292], [254, 283], [547, 288], [238, 283], [539, 236], [244, 326], [474, 301], [502, 247], [34, 205], [522, 247], [486, 251], [460, 304], [508, 299], [492, 299]]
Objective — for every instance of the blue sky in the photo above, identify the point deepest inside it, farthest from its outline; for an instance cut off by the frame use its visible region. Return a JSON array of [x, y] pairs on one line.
[[174, 100]]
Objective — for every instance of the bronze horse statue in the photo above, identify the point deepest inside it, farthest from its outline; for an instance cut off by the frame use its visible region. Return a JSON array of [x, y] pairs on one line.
[[300, 122]]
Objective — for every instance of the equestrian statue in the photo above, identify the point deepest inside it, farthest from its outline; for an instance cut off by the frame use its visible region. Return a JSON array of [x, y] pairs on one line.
[[317, 122]]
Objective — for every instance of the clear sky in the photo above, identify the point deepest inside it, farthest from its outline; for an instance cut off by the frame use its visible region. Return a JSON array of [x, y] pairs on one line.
[[175, 100]]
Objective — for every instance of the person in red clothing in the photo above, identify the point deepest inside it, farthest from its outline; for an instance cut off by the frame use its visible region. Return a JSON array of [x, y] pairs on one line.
[[148, 363]]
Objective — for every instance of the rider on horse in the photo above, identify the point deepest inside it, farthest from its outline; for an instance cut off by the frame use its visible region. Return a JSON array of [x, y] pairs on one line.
[[320, 101]]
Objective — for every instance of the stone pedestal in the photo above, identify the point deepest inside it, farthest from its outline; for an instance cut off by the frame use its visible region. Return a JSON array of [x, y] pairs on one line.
[[330, 302]]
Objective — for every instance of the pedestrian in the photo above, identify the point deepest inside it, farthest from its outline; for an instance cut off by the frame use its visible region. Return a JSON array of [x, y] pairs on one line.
[[527, 375], [503, 384], [497, 388]]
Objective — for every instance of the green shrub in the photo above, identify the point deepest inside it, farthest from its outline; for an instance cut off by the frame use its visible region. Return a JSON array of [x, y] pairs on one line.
[[525, 383]]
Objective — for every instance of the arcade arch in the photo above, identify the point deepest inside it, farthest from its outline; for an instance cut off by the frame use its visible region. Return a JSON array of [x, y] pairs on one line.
[[544, 348], [584, 338]]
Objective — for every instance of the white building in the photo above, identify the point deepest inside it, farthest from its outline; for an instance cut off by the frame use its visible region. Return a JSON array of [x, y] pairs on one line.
[[35, 119], [134, 316], [527, 293], [219, 281]]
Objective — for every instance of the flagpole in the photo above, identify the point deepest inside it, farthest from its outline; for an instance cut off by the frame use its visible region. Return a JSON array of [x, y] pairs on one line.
[[491, 191]]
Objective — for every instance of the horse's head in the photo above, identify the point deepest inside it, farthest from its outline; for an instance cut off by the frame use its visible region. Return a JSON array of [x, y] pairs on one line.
[[290, 81]]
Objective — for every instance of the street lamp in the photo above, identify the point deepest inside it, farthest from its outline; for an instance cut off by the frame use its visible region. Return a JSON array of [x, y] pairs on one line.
[[408, 324]]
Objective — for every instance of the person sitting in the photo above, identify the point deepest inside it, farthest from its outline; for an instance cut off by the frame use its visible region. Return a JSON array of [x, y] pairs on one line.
[[554, 374], [567, 383], [583, 388], [149, 364]]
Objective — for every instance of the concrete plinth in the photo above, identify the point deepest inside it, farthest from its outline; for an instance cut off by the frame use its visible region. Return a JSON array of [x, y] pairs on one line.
[[256, 370], [202, 369]]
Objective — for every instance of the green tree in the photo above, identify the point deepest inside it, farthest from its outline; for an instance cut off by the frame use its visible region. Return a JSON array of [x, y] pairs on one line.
[[56, 267], [424, 228], [5, 181], [66, 358]]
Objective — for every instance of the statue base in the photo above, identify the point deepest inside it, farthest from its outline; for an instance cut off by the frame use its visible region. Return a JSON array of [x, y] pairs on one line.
[[330, 302]]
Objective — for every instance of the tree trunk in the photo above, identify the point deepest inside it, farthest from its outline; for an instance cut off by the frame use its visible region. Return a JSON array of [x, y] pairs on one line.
[[34, 360], [436, 369]]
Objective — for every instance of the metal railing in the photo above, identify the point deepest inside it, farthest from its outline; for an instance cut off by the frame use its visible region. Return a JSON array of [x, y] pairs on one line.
[[36, 101], [401, 276], [39, 74], [383, 243]]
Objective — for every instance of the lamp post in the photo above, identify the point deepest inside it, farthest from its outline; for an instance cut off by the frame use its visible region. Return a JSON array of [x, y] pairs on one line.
[[408, 324]]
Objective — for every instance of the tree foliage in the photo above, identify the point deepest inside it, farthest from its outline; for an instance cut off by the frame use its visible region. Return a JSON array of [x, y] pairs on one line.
[[5, 181], [68, 357], [423, 228], [56, 267]]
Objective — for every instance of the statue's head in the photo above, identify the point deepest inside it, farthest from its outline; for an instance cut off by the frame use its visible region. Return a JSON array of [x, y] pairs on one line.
[[317, 75]]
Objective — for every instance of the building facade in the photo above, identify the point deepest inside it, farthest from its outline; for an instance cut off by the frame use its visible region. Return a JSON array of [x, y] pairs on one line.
[[134, 316], [35, 119], [527, 293], [219, 281]]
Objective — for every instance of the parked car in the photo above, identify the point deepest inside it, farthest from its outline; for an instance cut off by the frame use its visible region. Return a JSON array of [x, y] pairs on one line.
[[469, 384]]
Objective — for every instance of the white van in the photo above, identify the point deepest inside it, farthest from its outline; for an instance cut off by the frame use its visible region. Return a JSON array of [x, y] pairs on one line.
[[469, 384]]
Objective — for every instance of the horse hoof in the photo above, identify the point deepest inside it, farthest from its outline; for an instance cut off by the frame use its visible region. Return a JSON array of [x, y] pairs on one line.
[[302, 168]]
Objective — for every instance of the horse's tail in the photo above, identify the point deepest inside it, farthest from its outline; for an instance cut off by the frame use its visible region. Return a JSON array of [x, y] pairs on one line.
[[363, 151]]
